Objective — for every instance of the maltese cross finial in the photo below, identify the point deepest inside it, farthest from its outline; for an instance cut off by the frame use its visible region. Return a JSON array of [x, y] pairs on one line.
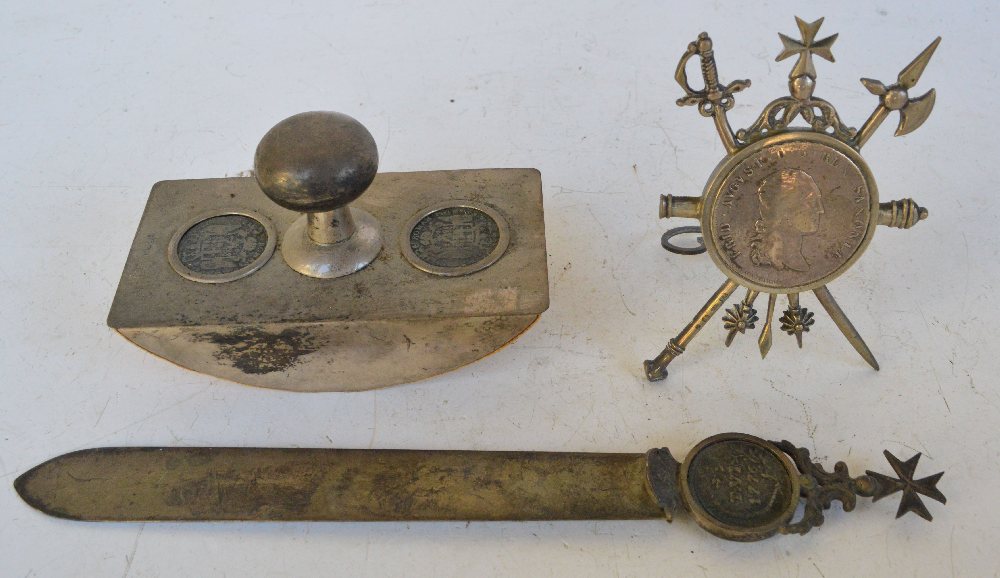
[[806, 47], [911, 488]]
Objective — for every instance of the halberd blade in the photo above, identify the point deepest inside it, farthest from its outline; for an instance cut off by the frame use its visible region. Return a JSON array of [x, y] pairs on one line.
[[874, 86], [909, 76], [915, 113]]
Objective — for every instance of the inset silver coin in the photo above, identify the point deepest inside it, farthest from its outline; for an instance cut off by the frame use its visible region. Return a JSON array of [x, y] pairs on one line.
[[221, 247]]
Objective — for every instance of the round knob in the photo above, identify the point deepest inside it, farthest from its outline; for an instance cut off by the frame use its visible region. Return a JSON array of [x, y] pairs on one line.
[[316, 161]]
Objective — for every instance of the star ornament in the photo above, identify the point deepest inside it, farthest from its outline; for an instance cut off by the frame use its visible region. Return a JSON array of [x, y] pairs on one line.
[[796, 321], [738, 319], [911, 502], [806, 47]]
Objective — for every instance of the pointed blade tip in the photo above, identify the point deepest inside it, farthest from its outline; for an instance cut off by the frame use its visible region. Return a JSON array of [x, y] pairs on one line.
[[22, 485], [910, 75], [874, 86], [869, 358], [39, 498]]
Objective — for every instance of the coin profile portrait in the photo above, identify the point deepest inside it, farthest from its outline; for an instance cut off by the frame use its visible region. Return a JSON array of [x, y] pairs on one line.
[[790, 207], [790, 213]]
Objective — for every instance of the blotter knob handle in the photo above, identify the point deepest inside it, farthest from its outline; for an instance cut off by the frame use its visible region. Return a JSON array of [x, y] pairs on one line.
[[318, 163]]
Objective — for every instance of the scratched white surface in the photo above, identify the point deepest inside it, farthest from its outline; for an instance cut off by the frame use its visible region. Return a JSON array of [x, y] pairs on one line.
[[99, 100]]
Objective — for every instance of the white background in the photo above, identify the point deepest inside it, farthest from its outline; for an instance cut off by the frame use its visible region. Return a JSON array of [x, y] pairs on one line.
[[99, 100]]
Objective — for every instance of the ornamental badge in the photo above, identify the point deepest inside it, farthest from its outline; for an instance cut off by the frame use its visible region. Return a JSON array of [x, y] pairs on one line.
[[790, 208]]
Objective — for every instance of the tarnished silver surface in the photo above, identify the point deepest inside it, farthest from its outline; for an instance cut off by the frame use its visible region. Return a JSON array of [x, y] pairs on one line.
[[334, 355], [221, 247], [331, 260], [389, 323], [455, 238], [320, 162]]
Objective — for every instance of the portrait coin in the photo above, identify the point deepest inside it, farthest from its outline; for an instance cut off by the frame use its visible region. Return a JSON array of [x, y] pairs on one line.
[[790, 215]]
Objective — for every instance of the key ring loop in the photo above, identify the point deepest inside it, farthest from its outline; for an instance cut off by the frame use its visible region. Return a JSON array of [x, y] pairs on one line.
[[665, 240]]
